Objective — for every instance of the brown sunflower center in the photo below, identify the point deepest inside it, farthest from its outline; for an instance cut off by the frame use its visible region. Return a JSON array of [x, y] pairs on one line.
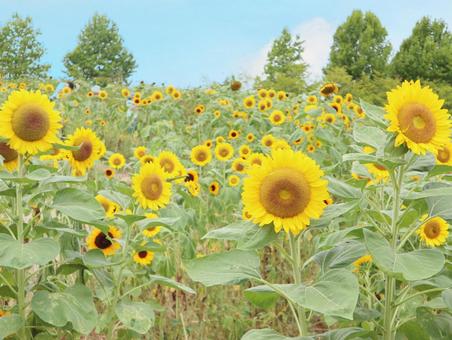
[[285, 193], [30, 123], [84, 152], [380, 167], [7, 153], [432, 230], [152, 187], [109, 172], [201, 156], [168, 165], [239, 167], [102, 242], [417, 122], [117, 161], [443, 155], [223, 152], [142, 254], [276, 118]]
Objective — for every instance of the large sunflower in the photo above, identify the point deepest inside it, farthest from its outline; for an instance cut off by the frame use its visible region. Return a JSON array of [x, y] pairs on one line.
[[150, 187], [29, 122], [90, 149], [105, 242], [10, 157], [415, 114], [434, 231], [201, 155], [287, 189]]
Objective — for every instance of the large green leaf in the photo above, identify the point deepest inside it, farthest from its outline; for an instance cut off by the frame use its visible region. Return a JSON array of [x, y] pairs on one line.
[[270, 334], [9, 325], [78, 205], [375, 113], [261, 296], [342, 189], [17, 255], [340, 256], [415, 265], [336, 334], [171, 283], [369, 135], [224, 268], [73, 305], [136, 316]]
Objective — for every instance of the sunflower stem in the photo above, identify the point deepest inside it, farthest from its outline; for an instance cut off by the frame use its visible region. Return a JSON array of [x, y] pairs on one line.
[[296, 267]]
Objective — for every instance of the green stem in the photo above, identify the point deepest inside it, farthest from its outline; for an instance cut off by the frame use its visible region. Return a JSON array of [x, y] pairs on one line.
[[296, 267], [390, 283], [22, 333]]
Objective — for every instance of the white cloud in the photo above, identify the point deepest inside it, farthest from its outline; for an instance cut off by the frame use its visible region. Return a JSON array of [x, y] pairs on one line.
[[317, 34]]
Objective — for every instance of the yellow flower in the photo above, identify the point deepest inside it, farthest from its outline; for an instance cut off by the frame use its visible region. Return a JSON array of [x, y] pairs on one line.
[[233, 134], [105, 242], [233, 180], [139, 152], [434, 231], [90, 149], [250, 137], [150, 186], [201, 155], [277, 117], [239, 165], [153, 230], [249, 102], [444, 155], [170, 163], [10, 157], [29, 122], [214, 188], [156, 96], [117, 161], [109, 173], [268, 140], [256, 159], [143, 257], [286, 190], [416, 116], [262, 93], [103, 94], [378, 171], [312, 100], [282, 95], [244, 151], [110, 207], [363, 259], [224, 151], [147, 159], [125, 92], [329, 89]]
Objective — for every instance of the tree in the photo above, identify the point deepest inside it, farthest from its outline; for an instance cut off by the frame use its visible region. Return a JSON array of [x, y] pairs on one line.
[[285, 68], [20, 50], [360, 45], [426, 54], [100, 54]]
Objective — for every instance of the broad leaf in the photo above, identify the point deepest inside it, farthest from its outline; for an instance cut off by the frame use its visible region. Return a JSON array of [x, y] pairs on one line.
[[78, 205], [9, 325], [136, 316]]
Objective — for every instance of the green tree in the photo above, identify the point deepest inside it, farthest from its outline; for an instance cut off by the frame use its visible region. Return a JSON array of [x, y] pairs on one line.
[[285, 68], [360, 45], [100, 54], [426, 54], [20, 50]]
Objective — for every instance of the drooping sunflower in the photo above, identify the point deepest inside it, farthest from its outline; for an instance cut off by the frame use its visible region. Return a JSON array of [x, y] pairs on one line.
[[277, 117], [328, 89], [29, 122], [90, 149], [105, 242], [201, 155], [416, 116], [362, 260], [154, 230], [444, 155], [286, 190], [378, 171], [143, 257], [150, 186], [214, 188], [224, 151], [117, 161], [434, 231], [110, 207], [139, 152], [10, 157]]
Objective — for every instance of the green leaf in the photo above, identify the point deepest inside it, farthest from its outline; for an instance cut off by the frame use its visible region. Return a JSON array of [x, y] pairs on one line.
[[234, 231], [224, 268], [270, 334], [20, 256], [447, 297], [369, 135], [160, 221], [95, 258], [439, 205], [261, 296], [78, 205], [435, 192], [413, 330], [415, 265], [38, 175], [171, 283], [374, 113], [73, 305], [342, 189], [136, 316], [340, 256], [9, 325], [332, 212]]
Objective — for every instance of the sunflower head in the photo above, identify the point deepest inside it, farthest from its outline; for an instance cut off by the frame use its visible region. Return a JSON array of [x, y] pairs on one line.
[[201, 155], [143, 257], [224, 151], [139, 152], [90, 149], [105, 242], [434, 231], [10, 157], [214, 188], [444, 155]]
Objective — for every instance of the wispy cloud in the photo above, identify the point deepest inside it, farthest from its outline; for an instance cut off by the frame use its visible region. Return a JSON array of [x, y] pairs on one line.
[[317, 34]]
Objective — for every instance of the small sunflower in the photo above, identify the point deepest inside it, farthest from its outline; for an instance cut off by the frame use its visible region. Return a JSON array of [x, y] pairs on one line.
[[109, 173], [330, 118], [250, 137], [90, 149], [286, 190], [239, 165], [233, 180], [268, 140], [378, 171], [244, 151], [233, 134], [110, 207], [249, 102], [256, 159], [10, 157], [277, 117], [105, 242], [434, 231], [416, 116], [143, 257], [362, 260], [154, 230], [214, 188], [444, 155], [150, 186], [139, 152], [192, 176], [29, 122], [117, 161], [224, 151], [329, 89], [201, 155], [147, 159]]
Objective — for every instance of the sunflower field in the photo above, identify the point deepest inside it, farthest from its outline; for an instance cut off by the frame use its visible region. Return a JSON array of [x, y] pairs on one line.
[[154, 212]]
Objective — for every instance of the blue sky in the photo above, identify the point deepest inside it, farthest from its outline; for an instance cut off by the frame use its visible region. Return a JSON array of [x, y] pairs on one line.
[[192, 42]]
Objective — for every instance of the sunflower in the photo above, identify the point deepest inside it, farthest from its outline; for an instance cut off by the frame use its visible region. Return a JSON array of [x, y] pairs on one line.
[[147, 159], [256, 159], [378, 171], [359, 262], [233, 180], [214, 188], [250, 137], [192, 176], [282, 95], [287, 189], [29, 122], [311, 100], [262, 93], [105, 242], [224, 151], [109, 173], [10, 157], [268, 140], [244, 151], [233, 134], [117, 161], [249, 102], [176, 94], [150, 186], [208, 143], [139, 152], [330, 118], [277, 117], [110, 207], [193, 187], [348, 97], [329, 89], [434, 231], [143, 257], [239, 165], [154, 230], [416, 116], [201, 155], [444, 155], [271, 93], [156, 96], [90, 149], [219, 139], [103, 94], [217, 113], [125, 92]]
